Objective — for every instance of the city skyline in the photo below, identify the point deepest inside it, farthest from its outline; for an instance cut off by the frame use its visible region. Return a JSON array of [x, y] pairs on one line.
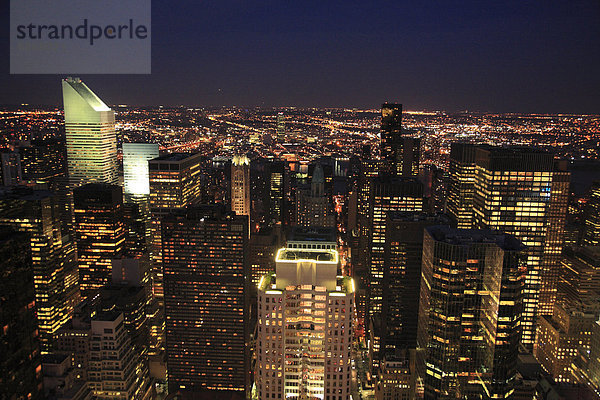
[[302, 253]]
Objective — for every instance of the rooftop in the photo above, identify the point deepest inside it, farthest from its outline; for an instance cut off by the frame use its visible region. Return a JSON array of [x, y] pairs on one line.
[[465, 237], [296, 255], [173, 157]]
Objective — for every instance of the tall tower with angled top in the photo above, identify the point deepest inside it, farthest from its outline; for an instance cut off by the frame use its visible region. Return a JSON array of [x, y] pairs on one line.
[[90, 135]]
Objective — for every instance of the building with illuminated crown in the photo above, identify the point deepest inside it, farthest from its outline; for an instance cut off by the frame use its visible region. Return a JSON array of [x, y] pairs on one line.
[[305, 326], [240, 185], [90, 133]]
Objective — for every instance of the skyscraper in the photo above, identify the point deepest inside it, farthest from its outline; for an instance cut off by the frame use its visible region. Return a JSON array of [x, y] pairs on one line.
[[387, 193], [37, 213], [206, 300], [304, 337], [313, 206], [20, 364], [174, 184], [100, 233], [114, 371], [469, 313], [579, 282], [276, 192], [240, 185], [402, 279], [135, 167], [523, 192], [90, 133], [103, 354], [591, 224], [561, 336], [280, 127], [400, 153], [461, 188]]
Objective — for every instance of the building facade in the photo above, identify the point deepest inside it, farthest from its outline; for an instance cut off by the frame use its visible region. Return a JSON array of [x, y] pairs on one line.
[[99, 231], [304, 334], [469, 313], [206, 300], [90, 133], [174, 184], [240, 185], [38, 213]]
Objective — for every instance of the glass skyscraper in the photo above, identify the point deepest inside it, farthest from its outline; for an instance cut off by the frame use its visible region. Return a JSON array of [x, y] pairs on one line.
[[90, 133], [135, 167]]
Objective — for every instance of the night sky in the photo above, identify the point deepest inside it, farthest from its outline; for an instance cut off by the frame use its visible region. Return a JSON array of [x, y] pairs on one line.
[[529, 56]]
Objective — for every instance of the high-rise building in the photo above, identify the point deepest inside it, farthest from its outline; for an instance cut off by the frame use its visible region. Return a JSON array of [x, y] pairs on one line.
[[100, 233], [135, 167], [280, 127], [37, 213], [367, 170], [240, 185], [305, 318], [20, 363], [313, 206], [561, 337], [524, 192], [206, 278], [593, 371], [174, 184], [113, 371], [393, 332], [394, 380], [579, 282], [591, 224], [469, 313], [103, 354], [90, 133], [402, 280], [263, 247], [400, 153], [391, 131], [461, 187], [10, 165], [276, 192], [60, 379], [387, 193]]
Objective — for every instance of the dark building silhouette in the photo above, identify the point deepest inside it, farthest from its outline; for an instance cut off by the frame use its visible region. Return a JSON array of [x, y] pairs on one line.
[[400, 153], [206, 278], [20, 363]]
